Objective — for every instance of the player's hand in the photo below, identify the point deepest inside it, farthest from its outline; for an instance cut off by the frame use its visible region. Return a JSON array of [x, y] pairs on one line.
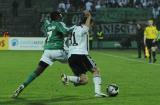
[[87, 13]]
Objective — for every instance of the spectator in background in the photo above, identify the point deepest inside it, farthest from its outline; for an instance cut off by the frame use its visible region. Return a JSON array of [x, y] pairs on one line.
[[67, 6], [71, 8], [61, 6], [15, 6], [121, 4], [156, 10], [139, 40], [138, 4], [150, 4], [78, 4], [89, 5], [144, 4], [125, 2], [98, 5], [130, 4], [110, 4], [81, 6], [116, 4]]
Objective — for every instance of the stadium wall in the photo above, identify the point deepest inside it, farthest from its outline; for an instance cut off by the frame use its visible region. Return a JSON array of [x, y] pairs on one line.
[[4, 45], [37, 43], [22, 43]]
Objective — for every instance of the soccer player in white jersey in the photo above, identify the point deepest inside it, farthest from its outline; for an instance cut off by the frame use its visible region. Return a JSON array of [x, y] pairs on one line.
[[79, 60]]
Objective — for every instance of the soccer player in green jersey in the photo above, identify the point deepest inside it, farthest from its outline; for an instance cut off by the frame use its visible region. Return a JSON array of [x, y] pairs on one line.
[[53, 49]]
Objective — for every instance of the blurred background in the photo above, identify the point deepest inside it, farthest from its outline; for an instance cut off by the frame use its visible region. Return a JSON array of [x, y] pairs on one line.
[[115, 20]]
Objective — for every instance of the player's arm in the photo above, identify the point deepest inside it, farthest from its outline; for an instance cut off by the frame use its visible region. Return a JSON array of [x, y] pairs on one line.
[[68, 28], [88, 21], [45, 24], [61, 29], [71, 28]]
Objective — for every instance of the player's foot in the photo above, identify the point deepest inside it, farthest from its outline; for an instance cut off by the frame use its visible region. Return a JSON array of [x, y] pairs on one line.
[[18, 91], [64, 79], [101, 95]]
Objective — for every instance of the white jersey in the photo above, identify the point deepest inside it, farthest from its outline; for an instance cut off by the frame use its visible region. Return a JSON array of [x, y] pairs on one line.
[[66, 43], [79, 42]]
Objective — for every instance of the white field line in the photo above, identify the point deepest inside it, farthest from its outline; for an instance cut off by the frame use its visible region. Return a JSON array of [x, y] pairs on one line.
[[125, 58]]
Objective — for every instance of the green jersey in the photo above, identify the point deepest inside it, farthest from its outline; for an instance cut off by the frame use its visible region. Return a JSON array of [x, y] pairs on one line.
[[45, 25], [55, 36]]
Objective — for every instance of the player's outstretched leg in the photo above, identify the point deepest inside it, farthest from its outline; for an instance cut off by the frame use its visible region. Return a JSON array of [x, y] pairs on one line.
[[30, 78], [18, 91], [41, 67]]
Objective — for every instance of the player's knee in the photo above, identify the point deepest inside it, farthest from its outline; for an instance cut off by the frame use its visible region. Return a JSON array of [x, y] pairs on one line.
[[41, 67], [83, 79], [43, 64], [96, 71]]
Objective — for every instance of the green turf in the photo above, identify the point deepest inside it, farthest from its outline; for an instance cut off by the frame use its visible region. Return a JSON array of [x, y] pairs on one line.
[[138, 81]]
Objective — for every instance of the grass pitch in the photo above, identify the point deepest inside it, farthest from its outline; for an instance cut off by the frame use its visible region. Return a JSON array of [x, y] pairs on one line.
[[138, 81]]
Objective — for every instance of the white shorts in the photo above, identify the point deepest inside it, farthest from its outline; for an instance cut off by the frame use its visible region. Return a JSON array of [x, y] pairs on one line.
[[49, 56]]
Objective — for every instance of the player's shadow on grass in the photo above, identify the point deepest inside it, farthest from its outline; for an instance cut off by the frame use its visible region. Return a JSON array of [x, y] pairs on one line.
[[56, 100]]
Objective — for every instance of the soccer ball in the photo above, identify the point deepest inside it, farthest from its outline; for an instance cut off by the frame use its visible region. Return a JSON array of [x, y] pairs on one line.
[[112, 90]]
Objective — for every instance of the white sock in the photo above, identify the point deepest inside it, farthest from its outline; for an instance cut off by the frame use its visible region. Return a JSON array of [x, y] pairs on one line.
[[97, 84], [74, 79]]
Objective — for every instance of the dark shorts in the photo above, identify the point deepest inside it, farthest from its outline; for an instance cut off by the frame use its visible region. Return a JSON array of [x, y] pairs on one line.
[[80, 64], [149, 43]]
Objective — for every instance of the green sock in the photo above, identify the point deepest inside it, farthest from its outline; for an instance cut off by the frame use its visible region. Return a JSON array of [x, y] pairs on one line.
[[30, 78]]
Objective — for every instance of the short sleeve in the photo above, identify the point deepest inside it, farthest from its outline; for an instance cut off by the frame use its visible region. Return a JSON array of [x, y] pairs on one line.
[[61, 28], [45, 26], [85, 28], [68, 28]]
